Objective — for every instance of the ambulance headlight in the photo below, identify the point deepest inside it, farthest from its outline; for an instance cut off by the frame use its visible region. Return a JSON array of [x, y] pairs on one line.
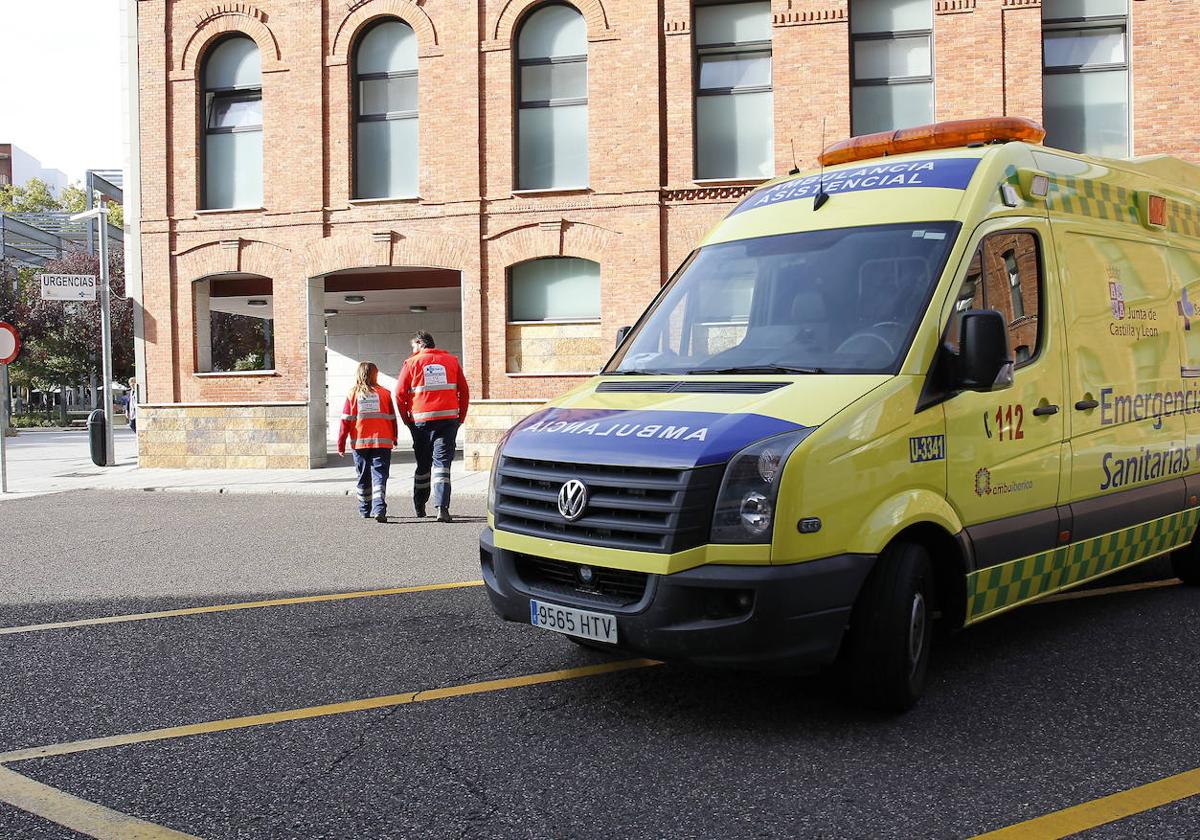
[[745, 511]]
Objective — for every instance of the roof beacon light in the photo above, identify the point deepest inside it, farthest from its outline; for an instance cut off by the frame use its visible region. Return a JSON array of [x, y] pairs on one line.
[[924, 138]]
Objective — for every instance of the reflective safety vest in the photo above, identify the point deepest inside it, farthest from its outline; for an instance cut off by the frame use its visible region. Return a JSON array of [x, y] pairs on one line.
[[369, 422], [431, 387]]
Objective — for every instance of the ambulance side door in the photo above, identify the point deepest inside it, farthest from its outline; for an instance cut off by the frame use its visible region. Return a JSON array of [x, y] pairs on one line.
[[1129, 446], [1006, 447]]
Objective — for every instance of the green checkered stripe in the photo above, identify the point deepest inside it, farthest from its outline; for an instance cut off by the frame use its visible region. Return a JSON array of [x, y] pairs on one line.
[[1000, 587], [1183, 219], [1094, 199]]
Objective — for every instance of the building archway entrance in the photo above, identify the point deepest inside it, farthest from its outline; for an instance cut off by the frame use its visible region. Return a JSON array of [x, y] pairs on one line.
[[370, 314]]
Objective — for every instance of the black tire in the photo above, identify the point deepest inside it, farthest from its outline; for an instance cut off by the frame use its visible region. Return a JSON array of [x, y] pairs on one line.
[[891, 629], [1186, 564]]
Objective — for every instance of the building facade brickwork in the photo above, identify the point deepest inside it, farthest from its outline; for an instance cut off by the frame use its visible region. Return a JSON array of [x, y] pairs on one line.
[[639, 216]]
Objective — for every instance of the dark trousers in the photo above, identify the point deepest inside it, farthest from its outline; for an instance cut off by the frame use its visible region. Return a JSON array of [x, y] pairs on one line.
[[373, 467], [433, 444]]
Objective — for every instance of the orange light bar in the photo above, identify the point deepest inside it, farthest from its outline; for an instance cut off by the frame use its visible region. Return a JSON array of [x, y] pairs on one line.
[[923, 138]]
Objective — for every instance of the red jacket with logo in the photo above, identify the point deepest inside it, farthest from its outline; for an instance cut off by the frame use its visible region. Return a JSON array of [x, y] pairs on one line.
[[431, 387], [368, 422]]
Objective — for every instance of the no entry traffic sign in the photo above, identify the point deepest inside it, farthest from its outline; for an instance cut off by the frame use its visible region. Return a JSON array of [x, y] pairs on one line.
[[10, 343]]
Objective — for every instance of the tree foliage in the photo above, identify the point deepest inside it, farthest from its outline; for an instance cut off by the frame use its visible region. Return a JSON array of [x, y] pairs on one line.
[[36, 197]]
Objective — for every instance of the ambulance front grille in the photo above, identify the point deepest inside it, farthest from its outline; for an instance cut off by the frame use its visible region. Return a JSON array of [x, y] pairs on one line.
[[607, 587], [631, 508]]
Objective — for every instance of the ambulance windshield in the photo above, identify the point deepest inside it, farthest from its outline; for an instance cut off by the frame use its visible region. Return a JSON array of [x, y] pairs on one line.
[[830, 301]]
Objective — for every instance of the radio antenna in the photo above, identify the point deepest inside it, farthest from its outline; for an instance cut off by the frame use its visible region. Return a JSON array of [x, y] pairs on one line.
[[821, 197], [795, 166]]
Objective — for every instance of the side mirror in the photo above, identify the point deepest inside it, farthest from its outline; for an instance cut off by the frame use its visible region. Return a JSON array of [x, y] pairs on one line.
[[984, 363], [622, 333]]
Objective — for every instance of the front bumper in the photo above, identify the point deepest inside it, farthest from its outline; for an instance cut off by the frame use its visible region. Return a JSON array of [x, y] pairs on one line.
[[734, 616]]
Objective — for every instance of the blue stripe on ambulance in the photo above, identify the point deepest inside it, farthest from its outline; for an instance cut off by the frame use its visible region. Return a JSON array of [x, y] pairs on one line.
[[649, 438]]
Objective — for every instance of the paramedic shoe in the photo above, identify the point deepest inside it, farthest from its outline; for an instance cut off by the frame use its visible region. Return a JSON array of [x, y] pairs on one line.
[[381, 517], [444, 515], [365, 515], [420, 511]]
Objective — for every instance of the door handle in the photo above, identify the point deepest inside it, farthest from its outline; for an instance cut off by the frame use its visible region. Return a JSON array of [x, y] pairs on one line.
[[1086, 405], [1045, 410]]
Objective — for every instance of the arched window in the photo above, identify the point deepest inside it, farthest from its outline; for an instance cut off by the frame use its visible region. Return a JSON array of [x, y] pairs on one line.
[[233, 146], [235, 324], [385, 65], [554, 289], [552, 96]]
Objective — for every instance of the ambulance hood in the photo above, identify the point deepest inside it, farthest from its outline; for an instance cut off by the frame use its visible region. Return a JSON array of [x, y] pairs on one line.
[[679, 423]]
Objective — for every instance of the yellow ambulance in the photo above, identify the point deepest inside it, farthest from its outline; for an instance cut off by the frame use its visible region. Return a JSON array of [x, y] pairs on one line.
[[948, 373]]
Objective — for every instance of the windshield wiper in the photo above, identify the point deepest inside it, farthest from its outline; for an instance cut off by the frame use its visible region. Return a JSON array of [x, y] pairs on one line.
[[636, 373], [757, 369]]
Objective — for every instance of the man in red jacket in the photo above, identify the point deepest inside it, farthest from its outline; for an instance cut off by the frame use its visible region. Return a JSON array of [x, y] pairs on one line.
[[432, 399]]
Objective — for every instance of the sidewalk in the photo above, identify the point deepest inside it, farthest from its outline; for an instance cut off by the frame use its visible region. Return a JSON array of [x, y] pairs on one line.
[[43, 461]]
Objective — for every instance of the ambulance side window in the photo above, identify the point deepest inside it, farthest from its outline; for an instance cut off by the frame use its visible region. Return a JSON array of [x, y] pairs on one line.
[[1004, 275]]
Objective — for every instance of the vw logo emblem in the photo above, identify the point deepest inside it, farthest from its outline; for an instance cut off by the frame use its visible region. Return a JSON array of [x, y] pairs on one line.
[[572, 500]]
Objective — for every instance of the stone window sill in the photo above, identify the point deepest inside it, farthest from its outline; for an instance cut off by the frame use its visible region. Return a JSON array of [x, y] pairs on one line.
[[729, 182], [553, 374], [368, 202], [230, 211], [552, 191], [219, 374], [555, 322]]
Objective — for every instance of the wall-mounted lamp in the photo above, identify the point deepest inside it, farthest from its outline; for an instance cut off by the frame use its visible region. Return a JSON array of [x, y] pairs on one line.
[[331, 312], [418, 308], [256, 302], [355, 299]]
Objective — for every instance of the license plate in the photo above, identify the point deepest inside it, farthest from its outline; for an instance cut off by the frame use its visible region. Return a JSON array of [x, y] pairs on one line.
[[572, 622]]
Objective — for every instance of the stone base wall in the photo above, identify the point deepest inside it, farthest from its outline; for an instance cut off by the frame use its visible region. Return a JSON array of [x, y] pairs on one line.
[[556, 348], [270, 436], [487, 423]]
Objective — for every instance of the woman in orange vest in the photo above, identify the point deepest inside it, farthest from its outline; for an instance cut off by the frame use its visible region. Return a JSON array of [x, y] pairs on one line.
[[369, 423]]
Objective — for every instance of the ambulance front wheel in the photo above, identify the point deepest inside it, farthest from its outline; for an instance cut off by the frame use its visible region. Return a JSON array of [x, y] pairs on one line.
[[891, 630], [1186, 564]]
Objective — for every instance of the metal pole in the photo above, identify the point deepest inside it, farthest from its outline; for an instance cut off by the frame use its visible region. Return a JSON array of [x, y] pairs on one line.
[[4, 429], [110, 455]]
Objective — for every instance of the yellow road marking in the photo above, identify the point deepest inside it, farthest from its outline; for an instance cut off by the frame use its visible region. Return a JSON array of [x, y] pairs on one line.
[[1110, 590], [78, 814], [323, 711], [1102, 811], [246, 605]]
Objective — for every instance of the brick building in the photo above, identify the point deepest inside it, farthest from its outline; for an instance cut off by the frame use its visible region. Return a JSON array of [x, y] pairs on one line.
[[320, 177]]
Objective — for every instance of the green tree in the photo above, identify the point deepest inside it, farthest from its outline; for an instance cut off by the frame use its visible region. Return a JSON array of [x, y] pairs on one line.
[[61, 341], [34, 197]]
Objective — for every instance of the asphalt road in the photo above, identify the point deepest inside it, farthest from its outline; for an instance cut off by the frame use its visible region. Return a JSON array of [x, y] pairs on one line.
[[1039, 710]]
